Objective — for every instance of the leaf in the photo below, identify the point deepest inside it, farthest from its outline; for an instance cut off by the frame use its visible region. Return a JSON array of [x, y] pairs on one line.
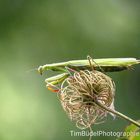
[[131, 132]]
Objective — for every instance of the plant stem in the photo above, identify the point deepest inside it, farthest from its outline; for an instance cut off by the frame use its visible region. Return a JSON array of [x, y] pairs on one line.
[[118, 114]]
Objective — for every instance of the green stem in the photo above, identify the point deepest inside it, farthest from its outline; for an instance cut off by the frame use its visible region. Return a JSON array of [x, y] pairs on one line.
[[118, 114]]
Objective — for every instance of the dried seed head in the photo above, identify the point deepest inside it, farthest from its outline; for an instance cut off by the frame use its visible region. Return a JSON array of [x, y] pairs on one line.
[[79, 93]]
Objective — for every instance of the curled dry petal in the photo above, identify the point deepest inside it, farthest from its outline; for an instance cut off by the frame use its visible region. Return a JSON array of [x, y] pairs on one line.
[[78, 95]]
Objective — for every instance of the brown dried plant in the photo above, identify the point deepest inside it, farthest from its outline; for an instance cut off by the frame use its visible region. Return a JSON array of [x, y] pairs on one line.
[[81, 91]]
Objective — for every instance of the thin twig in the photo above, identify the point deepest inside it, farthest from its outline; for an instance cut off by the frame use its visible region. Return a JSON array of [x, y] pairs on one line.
[[118, 114]]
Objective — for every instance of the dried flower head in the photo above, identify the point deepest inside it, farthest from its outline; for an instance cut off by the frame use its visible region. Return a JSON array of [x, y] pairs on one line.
[[79, 94]]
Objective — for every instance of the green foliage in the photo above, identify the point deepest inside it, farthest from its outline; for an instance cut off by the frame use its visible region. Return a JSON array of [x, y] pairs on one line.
[[132, 132]]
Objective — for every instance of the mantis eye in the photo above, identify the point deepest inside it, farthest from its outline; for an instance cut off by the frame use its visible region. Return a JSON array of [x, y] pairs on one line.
[[40, 70]]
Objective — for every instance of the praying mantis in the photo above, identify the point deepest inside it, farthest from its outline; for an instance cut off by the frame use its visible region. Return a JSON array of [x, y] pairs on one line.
[[104, 65]]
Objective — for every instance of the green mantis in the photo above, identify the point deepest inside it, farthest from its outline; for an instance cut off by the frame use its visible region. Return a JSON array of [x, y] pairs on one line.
[[105, 65]]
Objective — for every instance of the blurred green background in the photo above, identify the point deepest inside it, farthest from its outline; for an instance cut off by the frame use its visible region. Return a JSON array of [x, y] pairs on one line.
[[36, 32]]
